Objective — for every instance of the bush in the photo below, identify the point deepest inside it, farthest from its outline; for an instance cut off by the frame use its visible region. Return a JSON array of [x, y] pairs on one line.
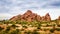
[[14, 26], [35, 32], [1, 28], [58, 25], [15, 31], [25, 26], [52, 30], [58, 29], [28, 32], [8, 29], [38, 27]]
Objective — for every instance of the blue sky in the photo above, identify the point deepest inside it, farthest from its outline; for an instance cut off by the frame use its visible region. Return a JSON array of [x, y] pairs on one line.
[[10, 8]]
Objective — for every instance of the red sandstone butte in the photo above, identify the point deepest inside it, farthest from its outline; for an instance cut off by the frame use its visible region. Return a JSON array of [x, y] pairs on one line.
[[29, 16]]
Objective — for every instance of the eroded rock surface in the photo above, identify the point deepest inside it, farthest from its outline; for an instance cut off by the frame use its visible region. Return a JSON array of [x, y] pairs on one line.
[[29, 16]]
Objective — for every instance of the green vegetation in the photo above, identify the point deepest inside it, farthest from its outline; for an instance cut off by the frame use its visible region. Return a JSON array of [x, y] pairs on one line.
[[1, 28], [51, 30], [24, 27]]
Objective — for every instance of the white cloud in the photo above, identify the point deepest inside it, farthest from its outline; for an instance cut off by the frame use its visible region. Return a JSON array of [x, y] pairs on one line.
[[5, 16], [14, 7], [54, 13]]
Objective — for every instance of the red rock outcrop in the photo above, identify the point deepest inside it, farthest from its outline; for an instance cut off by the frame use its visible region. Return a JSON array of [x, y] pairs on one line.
[[58, 18], [13, 18], [38, 18], [29, 16], [47, 17]]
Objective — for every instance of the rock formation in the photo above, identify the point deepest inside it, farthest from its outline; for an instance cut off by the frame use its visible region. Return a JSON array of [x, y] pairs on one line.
[[29, 16], [47, 17], [58, 18]]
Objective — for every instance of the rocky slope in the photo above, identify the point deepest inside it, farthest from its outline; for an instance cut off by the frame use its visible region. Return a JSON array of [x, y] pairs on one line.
[[29, 16]]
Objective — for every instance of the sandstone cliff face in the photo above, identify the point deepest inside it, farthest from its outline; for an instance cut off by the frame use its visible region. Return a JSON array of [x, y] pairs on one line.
[[13, 18], [47, 17], [29, 16]]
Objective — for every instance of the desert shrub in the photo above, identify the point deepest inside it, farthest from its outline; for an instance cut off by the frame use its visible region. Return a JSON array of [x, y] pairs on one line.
[[58, 25], [25, 26], [15, 31], [58, 29], [1, 28], [52, 30], [7, 21], [7, 29], [24, 22], [14, 26], [4, 32], [22, 29], [27, 32], [45, 29], [35, 32], [38, 27]]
